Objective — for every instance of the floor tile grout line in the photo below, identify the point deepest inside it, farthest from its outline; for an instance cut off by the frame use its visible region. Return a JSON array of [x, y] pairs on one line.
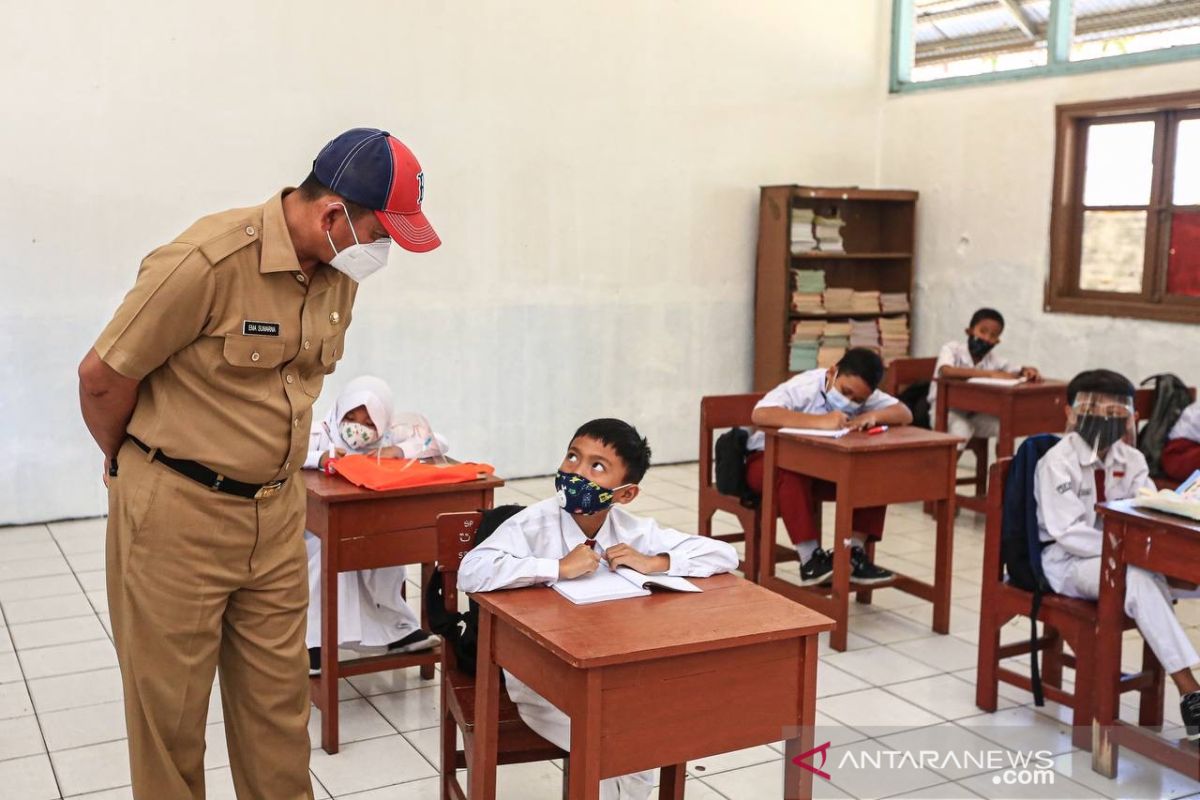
[[36, 716]]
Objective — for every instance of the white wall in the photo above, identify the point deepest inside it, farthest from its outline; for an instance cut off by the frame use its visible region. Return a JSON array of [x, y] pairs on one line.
[[592, 168], [983, 160]]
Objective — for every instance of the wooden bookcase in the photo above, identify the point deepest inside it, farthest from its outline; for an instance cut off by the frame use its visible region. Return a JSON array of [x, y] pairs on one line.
[[879, 239]]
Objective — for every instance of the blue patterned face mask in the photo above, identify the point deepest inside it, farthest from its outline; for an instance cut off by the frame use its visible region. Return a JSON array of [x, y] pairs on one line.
[[578, 495]]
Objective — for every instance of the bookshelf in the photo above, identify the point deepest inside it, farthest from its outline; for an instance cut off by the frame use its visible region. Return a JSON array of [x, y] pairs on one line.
[[879, 239]]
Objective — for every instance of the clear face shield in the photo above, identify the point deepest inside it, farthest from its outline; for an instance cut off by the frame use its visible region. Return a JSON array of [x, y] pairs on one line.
[[1102, 420], [414, 430]]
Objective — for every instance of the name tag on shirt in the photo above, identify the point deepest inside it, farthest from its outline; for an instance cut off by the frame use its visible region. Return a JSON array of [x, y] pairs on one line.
[[250, 328]]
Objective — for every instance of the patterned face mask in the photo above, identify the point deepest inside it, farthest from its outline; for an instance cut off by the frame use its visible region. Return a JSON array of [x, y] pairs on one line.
[[578, 495], [357, 435]]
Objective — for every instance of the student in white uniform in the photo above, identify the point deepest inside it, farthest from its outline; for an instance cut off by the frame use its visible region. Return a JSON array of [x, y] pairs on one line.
[[843, 396], [975, 358], [1095, 462], [568, 536], [371, 610]]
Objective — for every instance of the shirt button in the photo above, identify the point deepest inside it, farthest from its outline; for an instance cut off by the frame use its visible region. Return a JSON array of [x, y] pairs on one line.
[[296, 422], [307, 344], [249, 230], [289, 379], [300, 277], [254, 356]]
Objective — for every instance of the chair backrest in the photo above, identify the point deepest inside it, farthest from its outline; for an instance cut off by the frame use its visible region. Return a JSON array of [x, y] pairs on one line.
[[456, 534], [904, 372], [993, 560], [716, 413]]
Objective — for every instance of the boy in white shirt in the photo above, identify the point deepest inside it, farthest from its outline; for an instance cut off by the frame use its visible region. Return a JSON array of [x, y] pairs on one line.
[[1093, 463], [567, 536], [975, 358], [843, 396], [1181, 456]]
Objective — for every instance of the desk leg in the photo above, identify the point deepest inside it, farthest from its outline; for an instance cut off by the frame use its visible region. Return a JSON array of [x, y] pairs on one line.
[[943, 563], [797, 781], [585, 742], [1004, 441], [327, 686], [481, 780], [426, 577], [843, 531], [670, 783], [1110, 606], [769, 513]]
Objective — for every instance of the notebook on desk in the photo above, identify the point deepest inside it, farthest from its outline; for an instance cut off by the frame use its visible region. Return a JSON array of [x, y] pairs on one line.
[[821, 432], [997, 381], [607, 584]]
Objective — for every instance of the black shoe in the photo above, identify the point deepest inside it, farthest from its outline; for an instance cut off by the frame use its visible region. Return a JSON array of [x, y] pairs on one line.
[[314, 661], [1189, 709], [863, 572], [817, 569], [415, 642]]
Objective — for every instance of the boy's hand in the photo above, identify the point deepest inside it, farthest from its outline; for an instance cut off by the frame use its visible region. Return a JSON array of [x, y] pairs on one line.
[[580, 561], [1031, 374], [864, 421], [832, 421], [622, 555]]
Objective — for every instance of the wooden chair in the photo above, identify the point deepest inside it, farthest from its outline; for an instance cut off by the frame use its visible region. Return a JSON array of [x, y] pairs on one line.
[[518, 743], [1065, 620], [1143, 406], [904, 372], [718, 412]]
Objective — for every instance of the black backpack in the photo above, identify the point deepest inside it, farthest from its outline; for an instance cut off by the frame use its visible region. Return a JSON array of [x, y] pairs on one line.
[[729, 453], [460, 631], [1171, 397], [916, 397]]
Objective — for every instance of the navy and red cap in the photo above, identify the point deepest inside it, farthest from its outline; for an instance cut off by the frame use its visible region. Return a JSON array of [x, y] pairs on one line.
[[374, 169]]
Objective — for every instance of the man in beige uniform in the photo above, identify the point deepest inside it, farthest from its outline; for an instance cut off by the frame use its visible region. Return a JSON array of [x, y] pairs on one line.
[[199, 392]]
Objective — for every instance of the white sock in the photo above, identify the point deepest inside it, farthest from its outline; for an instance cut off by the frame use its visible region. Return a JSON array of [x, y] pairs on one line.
[[858, 540], [806, 549]]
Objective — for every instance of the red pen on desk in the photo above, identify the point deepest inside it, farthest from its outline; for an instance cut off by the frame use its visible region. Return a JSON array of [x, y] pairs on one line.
[[876, 430]]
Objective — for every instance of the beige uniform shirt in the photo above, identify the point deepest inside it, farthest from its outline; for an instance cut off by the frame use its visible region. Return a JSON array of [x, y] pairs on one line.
[[231, 343]]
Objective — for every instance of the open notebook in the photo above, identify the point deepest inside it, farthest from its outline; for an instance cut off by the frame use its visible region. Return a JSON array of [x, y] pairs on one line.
[[996, 381], [824, 434], [1183, 501], [606, 584]]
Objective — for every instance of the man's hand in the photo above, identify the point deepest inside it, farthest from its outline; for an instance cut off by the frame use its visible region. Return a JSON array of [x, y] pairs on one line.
[[622, 555], [832, 421], [580, 561], [1031, 374], [104, 473]]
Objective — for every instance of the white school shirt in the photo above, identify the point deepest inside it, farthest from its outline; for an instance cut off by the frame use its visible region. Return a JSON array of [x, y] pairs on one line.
[[1188, 424], [957, 354], [806, 393], [1065, 488], [526, 548]]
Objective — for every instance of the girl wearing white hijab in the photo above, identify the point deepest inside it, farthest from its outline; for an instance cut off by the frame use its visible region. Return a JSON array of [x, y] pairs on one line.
[[371, 610]]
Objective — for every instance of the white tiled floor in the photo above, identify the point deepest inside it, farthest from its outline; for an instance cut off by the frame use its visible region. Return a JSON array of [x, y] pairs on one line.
[[898, 687]]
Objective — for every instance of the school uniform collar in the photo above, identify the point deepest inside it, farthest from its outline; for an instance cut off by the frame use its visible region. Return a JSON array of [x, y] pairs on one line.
[[573, 536], [278, 254]]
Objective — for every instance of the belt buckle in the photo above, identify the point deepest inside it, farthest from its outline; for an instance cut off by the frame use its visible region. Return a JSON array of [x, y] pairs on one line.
[[268, 490]]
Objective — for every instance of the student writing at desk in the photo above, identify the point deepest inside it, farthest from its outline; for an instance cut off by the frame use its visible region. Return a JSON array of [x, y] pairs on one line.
[[843, 396], [975, 358], [1093, 463], [570, 535], [371, 610]]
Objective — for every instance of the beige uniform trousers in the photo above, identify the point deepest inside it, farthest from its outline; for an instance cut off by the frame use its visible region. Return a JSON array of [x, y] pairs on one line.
[[200, 580]]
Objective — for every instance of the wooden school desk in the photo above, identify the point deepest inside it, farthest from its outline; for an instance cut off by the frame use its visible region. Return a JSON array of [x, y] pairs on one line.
[[901, 465], [653, 681], [1160, 543], [365, 529], [1023, 410]]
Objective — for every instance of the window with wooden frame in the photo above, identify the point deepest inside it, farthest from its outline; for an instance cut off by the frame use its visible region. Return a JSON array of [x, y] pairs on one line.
[[1125, 220]]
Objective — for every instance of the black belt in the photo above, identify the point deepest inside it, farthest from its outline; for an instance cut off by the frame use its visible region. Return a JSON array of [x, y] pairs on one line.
[[210, 478]]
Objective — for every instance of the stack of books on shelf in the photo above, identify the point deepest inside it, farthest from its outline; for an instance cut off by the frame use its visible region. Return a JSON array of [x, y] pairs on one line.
[[806, 336], [864, 333], [865, 303], [803, 239], [893, 302], [828, 233], [808, 286], [893, 336], [839, 301], [834, 341]]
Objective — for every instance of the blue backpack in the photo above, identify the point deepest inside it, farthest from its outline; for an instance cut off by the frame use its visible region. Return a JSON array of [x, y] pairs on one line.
[[1020, 544]]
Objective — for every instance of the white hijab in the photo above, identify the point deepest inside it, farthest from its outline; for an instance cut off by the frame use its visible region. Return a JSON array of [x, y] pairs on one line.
[[367, 391]]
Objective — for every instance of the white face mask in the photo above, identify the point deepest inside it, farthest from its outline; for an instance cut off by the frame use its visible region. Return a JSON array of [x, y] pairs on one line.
[[359, 260], [357, 435]]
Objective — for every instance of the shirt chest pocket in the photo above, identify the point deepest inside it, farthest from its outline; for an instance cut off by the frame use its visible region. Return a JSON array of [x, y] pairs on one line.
[[250, 363], [331, 351]]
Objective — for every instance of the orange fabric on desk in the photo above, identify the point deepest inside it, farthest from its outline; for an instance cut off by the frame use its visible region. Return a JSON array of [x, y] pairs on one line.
[[401, 473]]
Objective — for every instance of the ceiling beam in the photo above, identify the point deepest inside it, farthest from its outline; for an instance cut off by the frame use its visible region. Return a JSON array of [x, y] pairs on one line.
[[1019, 19]]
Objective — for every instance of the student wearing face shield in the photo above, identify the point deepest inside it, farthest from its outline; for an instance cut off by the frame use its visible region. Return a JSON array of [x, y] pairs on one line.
[[1096, 462]]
